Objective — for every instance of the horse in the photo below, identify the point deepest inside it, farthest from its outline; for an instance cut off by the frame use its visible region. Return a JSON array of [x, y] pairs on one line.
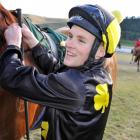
[[12, 116], [135, 51], [12, 112], [136, 57]]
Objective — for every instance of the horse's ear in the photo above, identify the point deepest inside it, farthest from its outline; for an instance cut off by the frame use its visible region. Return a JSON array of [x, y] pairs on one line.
[[14, 13], [7, 16]]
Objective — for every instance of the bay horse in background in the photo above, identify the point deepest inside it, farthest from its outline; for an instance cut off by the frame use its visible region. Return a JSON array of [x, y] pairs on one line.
[[12, 113], [136, 54]]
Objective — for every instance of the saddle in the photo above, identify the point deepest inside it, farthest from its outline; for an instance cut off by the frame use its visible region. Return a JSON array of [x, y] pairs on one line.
[[48, 37]]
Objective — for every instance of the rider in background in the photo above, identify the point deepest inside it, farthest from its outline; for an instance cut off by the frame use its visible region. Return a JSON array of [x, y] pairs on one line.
[[136, 50], [137, 43], [137, 47], [78, 96]]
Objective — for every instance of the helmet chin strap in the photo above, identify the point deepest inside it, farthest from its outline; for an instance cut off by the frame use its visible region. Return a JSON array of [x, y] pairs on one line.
[[94, 49], [91, 61]]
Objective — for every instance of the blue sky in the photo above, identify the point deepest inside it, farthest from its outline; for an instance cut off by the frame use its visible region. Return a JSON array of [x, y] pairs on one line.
[[60, 8]]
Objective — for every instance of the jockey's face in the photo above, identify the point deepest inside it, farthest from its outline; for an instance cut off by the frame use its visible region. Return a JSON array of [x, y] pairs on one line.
[[78, 46]]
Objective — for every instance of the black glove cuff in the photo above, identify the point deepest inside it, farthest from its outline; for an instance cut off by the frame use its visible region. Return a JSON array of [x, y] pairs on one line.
[[39, 50], [11, 49]]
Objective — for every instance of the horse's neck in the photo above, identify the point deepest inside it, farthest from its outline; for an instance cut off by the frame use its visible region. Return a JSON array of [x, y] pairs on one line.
[[27, 58], [111, 67]]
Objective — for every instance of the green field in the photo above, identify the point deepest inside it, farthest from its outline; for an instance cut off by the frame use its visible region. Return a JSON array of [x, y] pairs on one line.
[[124, 117]]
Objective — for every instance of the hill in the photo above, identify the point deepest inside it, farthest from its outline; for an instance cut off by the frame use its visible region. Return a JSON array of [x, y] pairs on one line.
[[52, 22]]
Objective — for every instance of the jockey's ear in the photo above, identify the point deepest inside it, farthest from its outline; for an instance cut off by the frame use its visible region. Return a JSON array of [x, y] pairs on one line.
[[101, 52]]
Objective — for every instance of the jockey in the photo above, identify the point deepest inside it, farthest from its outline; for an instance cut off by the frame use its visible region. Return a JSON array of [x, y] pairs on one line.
[[137, 43], [136, 50], [77, 96]]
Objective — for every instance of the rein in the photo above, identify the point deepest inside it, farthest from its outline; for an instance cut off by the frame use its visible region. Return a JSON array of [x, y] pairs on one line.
[[25, 101]]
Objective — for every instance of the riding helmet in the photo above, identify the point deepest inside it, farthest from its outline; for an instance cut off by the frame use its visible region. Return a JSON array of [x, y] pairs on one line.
[[100, 23]]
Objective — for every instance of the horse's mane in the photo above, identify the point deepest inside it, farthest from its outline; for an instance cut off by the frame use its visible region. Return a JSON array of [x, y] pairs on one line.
[[6, 18]]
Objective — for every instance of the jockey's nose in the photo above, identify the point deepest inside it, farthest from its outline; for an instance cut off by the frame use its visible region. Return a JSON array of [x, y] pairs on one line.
[[70, 43]]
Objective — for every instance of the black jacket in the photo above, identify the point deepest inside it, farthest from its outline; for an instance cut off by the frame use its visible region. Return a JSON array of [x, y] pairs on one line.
[[77, 100]]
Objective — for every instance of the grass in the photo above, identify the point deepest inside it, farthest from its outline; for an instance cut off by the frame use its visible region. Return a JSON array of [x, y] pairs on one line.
[[124, 119]]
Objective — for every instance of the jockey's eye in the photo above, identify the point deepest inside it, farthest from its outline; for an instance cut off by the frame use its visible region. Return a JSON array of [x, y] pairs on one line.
[[81, 40]]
